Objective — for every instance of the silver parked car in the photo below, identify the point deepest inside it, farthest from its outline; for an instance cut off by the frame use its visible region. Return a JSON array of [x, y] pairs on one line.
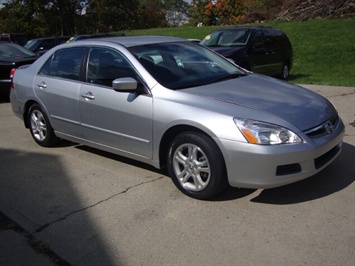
[[172, 103]]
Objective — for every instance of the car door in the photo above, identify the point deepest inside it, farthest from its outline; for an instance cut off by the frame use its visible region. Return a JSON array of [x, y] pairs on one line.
[[115, 120], [258, 54], [275, 58], [57, 86]]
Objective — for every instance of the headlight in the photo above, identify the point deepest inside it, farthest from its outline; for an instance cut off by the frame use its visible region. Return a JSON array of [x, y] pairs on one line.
[[257, 132]]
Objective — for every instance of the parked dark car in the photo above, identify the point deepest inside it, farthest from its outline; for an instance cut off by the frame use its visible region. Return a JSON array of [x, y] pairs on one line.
[[18, 38], [42, 45], [263, 50], [12, 56]]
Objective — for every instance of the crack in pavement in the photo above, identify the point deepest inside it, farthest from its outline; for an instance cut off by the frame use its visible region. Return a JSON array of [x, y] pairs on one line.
[[41, 228], [42, 247]]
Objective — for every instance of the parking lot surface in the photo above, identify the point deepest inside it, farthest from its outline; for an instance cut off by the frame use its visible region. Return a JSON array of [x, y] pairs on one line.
[[74, 205]]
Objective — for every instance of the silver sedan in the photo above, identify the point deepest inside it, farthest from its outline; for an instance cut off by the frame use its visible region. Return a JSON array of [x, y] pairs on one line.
[[172, 103]]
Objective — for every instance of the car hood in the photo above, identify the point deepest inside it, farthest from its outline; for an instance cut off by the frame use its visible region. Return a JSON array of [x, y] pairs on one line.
[[299, 106]]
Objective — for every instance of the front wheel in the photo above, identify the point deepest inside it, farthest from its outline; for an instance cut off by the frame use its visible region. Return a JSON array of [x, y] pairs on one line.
[[40, 127], [196, 165]]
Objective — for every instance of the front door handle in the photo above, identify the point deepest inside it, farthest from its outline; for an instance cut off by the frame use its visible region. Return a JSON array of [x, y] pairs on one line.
[[88, 96]]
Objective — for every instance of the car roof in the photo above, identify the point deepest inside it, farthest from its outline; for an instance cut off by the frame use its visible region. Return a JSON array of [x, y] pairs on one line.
[[87, 36], [246, 28], [129, 41], [252, 28]]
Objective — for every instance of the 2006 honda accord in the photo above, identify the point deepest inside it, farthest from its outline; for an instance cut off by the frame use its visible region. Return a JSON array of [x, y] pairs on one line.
[[172, 103]]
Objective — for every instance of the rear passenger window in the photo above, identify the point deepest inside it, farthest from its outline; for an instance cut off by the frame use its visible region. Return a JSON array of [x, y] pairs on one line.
[[65, 63], [271, 41], [105, 65], [258, 41]]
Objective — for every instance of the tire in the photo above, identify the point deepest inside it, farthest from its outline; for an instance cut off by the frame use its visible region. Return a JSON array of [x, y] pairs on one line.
[[285, 71], [196, 166], [40, 127]]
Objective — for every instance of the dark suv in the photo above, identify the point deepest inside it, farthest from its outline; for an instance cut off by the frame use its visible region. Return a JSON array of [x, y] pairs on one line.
[[263, 50], [42, 45]]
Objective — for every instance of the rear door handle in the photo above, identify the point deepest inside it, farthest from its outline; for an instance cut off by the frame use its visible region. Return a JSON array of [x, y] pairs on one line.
[[42, 85], [88, 96]]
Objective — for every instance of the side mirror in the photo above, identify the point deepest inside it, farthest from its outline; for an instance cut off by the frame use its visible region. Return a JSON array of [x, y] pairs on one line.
[[125, 84]]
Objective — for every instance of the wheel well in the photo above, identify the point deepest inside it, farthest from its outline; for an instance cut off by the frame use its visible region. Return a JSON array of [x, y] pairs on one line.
[[169, 136], [25, 112]]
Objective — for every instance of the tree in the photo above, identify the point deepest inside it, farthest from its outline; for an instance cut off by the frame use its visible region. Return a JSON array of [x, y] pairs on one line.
[[15, 16], [196, 13], [118, 15], [151, 15], [175, 11], [226, 12], [42, 17]]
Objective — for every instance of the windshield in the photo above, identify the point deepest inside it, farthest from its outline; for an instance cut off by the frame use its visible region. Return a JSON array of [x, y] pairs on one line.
[[11, 50], [235, 37], [184, 64], [32, 44]]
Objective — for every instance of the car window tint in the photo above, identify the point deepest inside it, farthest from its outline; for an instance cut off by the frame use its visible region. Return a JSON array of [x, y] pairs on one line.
[[270, 39], [46, 68], [183, 64], [66, 63], [11, 50], [21, 40], [258, 39], [62, 40], [47, 44], [105, 65], [233, 38]]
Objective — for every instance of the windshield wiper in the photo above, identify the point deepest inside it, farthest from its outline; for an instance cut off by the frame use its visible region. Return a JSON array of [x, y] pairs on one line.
[[229, 76]]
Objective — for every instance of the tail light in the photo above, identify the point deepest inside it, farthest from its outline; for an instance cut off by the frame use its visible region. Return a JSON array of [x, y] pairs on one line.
[[12, 72]]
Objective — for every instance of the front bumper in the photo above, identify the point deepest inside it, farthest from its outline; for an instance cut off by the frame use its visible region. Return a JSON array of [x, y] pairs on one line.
[[269, 166]]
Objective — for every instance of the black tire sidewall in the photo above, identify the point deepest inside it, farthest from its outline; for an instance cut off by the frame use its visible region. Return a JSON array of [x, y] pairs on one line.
[[218, 179]]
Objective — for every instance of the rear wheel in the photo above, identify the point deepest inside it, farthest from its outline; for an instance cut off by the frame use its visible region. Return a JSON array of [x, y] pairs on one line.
[[40, 127], [196, 165]]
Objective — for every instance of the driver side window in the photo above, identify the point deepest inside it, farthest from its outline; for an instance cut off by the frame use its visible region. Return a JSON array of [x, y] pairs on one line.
[[105, 65], [258, 45]]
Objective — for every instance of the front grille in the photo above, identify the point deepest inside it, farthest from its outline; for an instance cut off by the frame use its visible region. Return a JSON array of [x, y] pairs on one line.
[[288, 169], [324, 128], [325, 158]]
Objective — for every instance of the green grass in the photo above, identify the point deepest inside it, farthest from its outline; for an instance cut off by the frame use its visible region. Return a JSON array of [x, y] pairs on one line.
[[324, 50]]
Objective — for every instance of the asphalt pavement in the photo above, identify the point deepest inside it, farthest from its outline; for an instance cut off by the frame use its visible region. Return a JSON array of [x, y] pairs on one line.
[[74, 205]]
